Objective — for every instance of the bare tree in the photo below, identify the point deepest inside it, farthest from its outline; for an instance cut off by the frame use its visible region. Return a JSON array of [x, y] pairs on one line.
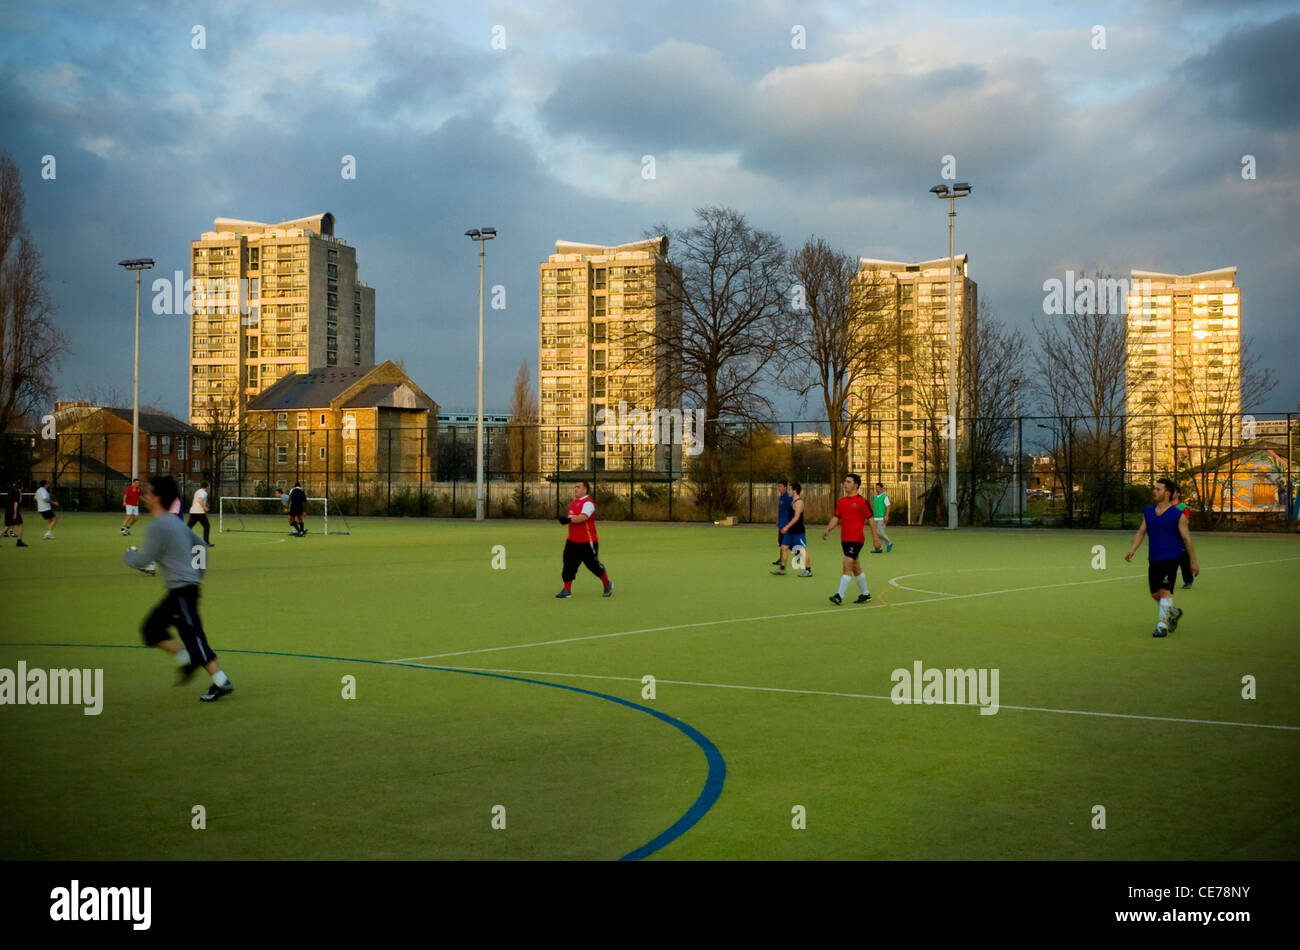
[[843, 337], [1080, 374], [1210, 421], [31, 346], [993, 368], [222, 424], [522, 445], [726, 297]]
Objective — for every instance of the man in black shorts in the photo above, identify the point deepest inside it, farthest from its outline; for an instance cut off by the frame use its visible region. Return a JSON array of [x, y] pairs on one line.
[[1167, 528], [297, 505], [13, 510], [181, 556]]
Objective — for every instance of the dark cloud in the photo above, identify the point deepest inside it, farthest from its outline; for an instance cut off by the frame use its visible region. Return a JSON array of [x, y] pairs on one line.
[[1251, 74]]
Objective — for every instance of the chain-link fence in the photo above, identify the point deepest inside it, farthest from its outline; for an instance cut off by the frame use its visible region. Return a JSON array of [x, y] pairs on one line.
[[1235, 471]]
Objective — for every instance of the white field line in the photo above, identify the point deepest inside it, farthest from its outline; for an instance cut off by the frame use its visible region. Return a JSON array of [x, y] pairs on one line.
[[805, 613], [823, 692]]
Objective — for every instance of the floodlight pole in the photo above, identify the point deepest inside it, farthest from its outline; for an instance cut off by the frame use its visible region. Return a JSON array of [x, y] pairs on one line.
[[480, 235], [136, 265], [959, 190]]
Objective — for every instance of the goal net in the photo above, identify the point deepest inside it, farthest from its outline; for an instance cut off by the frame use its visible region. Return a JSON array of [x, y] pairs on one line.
[[271, 515]]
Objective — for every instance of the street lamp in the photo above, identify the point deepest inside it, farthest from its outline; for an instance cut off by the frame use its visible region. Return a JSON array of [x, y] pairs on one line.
[[959, 190], [480, 235], [137, 264]]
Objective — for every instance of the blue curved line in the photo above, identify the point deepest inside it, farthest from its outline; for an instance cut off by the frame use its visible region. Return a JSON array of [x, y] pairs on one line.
[[709, 794]]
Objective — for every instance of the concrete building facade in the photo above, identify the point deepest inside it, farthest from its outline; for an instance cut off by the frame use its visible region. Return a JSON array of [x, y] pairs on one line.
[[603, 314], [898, 405]]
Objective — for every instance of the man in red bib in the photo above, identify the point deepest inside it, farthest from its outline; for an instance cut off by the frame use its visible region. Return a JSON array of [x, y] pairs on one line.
[[852, 515], [582, 544]]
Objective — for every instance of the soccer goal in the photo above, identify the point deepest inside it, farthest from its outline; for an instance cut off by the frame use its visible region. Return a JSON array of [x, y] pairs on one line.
[[271, 515]]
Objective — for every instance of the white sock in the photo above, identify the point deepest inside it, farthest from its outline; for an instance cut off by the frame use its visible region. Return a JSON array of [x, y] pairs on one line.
[[1166, 606], [220, 678], [844, 584], [862, 583], [183, 658]]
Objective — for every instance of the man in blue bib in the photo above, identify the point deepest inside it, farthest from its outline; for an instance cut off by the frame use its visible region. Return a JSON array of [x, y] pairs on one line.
[[1163, 521]]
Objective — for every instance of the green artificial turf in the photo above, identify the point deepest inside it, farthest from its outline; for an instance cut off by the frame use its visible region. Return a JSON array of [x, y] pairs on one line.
[[414, 765]]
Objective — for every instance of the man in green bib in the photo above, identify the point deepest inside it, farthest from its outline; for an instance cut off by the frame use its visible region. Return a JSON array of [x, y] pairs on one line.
[[880, 514]]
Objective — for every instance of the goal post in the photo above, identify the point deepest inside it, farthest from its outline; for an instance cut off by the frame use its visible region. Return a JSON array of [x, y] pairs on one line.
[[270, 514]]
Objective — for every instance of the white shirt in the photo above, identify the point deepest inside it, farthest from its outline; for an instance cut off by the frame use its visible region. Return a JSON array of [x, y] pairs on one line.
[[199, 505], [42, 499]]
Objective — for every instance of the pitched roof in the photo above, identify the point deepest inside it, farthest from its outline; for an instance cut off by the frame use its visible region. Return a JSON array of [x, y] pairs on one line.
[[313, 390], [156, 422], [391, 395]]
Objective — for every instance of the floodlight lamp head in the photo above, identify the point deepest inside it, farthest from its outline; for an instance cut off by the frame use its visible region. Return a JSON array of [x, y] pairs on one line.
[[939, 191], [472, 234]]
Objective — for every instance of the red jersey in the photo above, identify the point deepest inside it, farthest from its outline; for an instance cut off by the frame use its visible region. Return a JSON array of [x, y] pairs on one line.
[[132, 495], [586, 531], [852, 510]]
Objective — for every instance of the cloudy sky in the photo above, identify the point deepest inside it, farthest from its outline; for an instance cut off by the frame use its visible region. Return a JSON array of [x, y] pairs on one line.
[[1124, 157]]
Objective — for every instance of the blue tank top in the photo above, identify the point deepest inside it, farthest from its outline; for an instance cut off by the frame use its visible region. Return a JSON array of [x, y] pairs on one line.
[[1163, 541]]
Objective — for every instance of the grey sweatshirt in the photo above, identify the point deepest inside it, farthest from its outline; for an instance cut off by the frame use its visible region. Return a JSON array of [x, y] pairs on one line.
[[175, 548]]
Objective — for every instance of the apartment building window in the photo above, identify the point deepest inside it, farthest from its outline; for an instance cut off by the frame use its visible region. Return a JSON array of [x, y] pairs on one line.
[[153, 466], [322, 418], [598, 279], [599, 333], [166, 466], [180, 449], [153, 441], [282, 453], [600, 306], [194, 465], [282, 420], [302, 453], [350, 453], [322, 453], [302, 420]]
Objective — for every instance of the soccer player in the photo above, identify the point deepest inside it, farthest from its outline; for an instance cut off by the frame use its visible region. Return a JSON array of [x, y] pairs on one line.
[[297, 504], [13, 511], [1169, 536], [1184, 562], [199, 512], [851, 515], [582, 544], [173, 546], [284, 507], [45, 505], [793, 537], [880, 514], [783, 505], [131, 502]]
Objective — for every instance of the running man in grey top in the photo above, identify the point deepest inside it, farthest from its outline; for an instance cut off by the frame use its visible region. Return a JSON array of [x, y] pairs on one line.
[[183, 560]]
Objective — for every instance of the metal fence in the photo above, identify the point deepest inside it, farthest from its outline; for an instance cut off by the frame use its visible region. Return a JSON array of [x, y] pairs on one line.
[[1069, 471]]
